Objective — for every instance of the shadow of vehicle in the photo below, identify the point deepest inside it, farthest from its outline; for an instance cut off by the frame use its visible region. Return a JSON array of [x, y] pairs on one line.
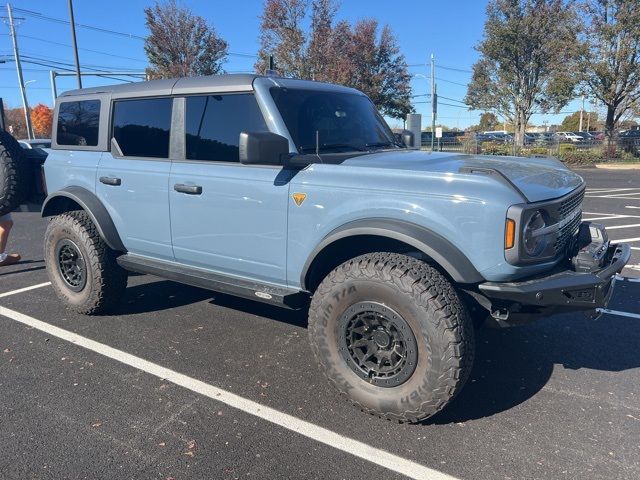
[[24, 263], [511, 365]]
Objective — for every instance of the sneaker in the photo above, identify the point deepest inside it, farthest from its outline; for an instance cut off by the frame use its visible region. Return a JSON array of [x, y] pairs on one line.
[[10, 260]]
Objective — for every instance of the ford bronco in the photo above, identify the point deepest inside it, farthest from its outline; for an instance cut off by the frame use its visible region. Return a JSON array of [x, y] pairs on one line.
[[297, 193]]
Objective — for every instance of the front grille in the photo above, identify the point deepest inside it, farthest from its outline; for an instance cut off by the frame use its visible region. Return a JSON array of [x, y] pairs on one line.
[[566, 210], [570, 204], [566, 234]]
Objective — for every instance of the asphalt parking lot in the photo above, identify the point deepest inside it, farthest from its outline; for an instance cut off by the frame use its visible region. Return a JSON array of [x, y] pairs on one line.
[[182, 383]]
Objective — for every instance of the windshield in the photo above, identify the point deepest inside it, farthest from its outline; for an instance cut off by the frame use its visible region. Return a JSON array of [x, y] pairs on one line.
[[332, 121]]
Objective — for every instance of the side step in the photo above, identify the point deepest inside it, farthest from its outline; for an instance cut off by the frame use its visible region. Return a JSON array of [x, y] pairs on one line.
[[267, 293]]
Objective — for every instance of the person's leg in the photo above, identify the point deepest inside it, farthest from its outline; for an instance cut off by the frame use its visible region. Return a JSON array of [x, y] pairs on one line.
[[6, 223], [5, 228]]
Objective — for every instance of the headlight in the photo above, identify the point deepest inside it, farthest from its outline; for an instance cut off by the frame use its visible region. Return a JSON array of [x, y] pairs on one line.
[[534, 239]]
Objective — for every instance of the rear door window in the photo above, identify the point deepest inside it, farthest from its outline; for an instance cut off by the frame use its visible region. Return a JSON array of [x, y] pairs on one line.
[[142, 127], [78, 123]]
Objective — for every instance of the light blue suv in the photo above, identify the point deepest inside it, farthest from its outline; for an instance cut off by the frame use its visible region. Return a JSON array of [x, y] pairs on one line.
[[298, 194]]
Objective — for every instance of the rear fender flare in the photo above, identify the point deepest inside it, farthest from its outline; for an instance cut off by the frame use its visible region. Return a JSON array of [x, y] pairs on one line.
[[55, 204]]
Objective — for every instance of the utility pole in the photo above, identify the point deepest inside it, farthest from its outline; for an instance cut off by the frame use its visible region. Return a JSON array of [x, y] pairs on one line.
[[581, 113], [74, 43], [434, 102], [16, 54]]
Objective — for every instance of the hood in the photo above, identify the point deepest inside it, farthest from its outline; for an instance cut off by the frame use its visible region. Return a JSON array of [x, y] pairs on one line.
[[536, 178]]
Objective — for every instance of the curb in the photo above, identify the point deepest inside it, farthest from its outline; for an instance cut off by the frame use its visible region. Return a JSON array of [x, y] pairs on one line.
[[618, 166]]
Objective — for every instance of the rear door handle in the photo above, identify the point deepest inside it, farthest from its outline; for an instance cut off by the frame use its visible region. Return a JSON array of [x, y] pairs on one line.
[[111, 181], [188, 189]]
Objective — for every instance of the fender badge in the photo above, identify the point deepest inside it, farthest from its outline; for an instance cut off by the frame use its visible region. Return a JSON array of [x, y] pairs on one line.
[[299, 198]]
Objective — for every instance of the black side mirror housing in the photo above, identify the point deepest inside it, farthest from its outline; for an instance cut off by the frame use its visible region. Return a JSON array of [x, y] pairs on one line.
[[407, 138], [263, 148]]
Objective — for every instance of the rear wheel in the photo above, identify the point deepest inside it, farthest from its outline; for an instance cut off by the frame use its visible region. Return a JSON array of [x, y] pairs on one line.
[[392, 335], [82, 268]]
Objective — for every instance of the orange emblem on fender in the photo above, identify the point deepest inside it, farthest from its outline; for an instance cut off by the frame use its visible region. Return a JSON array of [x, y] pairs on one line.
[[299, 198]]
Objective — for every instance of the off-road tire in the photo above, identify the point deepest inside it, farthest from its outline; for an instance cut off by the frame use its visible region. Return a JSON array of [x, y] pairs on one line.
[[14, 173], [432, 309], [105, 279]]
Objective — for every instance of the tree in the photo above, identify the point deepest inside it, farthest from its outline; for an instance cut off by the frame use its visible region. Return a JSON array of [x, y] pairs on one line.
[[526, 60], [181, 44], [611, 56], [15, 123], [488, 121], [42, 118], [361, 56], [571, 123]]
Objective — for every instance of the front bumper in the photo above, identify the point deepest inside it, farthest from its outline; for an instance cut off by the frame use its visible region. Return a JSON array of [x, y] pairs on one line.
[[563, 289]]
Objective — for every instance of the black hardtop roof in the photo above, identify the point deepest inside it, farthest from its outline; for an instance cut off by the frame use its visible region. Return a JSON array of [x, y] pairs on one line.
[[235, 82]]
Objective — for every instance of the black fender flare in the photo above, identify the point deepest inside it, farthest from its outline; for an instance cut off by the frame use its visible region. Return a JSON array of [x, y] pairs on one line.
[[92, 205], [435, 246]]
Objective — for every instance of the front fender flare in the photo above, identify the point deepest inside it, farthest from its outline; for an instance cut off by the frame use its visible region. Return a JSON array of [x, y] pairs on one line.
[[435, 246], [54, 205]]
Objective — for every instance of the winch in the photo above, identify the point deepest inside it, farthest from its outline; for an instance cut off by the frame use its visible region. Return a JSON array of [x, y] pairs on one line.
[[590, 247]]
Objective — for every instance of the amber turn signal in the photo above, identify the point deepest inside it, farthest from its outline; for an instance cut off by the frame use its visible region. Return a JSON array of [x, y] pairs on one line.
[[509, 234]]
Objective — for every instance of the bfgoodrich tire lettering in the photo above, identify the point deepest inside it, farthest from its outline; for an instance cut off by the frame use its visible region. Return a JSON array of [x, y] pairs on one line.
[[424, 298], [102, 281]]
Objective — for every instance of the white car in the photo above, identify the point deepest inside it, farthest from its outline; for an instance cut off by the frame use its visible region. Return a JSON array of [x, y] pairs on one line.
[[568, 137]]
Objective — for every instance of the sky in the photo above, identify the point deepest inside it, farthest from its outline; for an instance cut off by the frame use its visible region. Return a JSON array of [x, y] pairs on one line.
[[448, 30]]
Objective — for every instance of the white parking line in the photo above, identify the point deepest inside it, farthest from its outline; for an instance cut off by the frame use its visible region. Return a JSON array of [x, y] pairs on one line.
[[631, 206], [633, 225], [25, 289], [618, 313], [625, 240], [616, 217], [635, 248], [607, 190], [345, 444]]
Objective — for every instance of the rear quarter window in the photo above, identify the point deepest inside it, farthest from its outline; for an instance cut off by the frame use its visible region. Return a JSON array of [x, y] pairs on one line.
[[78, 123]]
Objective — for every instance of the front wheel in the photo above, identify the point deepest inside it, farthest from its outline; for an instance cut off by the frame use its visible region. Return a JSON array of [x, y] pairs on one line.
[[392, 335], [82, 268]]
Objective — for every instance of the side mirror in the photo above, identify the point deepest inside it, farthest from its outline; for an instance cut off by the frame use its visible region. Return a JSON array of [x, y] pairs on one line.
[[407, 138], [263, 148]]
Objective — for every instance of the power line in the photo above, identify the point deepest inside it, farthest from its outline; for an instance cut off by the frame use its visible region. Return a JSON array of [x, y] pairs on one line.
[[40, 16], [85, 49]]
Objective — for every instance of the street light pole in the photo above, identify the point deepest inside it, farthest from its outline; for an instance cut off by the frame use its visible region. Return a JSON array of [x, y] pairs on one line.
[[23, 92], [434, 102], [74, 43]]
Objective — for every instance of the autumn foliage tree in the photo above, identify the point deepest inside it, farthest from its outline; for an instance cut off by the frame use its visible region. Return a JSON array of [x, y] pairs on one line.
[[181, 44], [362, 55], [41, 119]]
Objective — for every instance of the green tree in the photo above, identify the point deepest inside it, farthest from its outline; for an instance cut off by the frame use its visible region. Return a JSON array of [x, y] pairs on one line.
[[488, 121], [361, 56], [571, 123], [526, 60], [181, 44], [610, 58]]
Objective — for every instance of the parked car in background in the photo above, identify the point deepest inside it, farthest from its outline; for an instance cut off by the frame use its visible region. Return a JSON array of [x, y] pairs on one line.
[[568, 137], [36, 143], [629, 141]]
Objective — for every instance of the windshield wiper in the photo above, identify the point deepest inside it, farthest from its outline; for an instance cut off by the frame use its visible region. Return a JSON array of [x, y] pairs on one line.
[[330, 146], [381, 144]]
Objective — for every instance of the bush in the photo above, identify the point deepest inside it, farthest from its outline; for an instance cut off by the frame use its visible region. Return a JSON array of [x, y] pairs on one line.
[[567, 147], [496, 148], [533, 152], [573, 156]]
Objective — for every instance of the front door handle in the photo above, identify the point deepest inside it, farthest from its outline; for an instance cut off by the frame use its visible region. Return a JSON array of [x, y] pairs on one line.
[[188, 189], [111, 181]]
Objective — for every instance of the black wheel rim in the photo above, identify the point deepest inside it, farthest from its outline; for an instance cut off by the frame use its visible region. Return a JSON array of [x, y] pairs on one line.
[[377, 344], [71, 265]]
